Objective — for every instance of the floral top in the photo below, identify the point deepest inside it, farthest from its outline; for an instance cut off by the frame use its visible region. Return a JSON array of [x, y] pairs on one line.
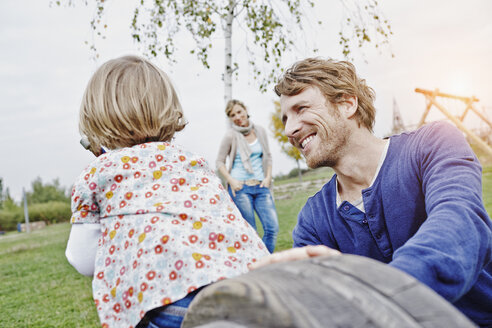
[[168, 227]]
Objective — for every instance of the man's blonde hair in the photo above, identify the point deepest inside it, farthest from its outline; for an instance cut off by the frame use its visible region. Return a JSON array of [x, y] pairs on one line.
[[335, 79], [129, 101]]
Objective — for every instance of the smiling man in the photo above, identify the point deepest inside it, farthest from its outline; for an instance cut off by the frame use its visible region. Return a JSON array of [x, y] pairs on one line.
[[413, 200]]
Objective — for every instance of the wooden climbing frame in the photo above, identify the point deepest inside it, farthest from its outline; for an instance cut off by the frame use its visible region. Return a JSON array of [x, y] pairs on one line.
[[431, 96]]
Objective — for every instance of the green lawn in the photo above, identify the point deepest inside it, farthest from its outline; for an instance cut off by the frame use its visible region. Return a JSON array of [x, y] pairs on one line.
[[40, 289]]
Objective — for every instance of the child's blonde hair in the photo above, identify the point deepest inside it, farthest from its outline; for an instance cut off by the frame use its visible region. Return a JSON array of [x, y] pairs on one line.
[[129, 101]]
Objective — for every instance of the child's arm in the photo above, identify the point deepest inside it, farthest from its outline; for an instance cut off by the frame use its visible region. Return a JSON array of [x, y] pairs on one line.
[[82, 247]]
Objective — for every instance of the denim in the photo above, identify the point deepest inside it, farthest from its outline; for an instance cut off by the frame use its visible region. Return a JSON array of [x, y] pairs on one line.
[[170, 316], [255, 198]]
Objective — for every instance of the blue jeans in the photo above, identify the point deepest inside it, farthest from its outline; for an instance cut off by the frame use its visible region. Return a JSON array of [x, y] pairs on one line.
[[255, 198]]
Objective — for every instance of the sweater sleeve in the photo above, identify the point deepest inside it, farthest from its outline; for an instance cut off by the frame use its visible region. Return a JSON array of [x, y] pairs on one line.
[[454, 244], [82, 247], [224, 150]]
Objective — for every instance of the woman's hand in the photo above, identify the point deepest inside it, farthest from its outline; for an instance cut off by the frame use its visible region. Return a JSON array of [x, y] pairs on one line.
[[235, 185], [266, 182], [295, 254]]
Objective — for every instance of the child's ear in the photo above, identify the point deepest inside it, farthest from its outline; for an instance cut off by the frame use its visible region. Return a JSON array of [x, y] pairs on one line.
[[348, 106]]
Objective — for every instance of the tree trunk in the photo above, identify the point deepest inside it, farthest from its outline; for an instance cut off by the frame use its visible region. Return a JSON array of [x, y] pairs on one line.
[[228, 52], [299, 170], [326, 292]]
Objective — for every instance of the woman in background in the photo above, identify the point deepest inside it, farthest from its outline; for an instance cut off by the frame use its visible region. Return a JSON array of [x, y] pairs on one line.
[[249, 176]]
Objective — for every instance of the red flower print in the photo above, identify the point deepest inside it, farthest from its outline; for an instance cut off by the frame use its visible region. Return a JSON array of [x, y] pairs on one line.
[[150, 275], [187, 203], [212, 245], [166, 301], [175, 188], [100, 275], [193, 239], [126, 166], [139, 253], [117, 307], [137, 175], [154, 219], [128, 304], [158, 249], [194, 196], [87, 176], [143, 286], [112, 249], [183, 216], [156, 186], [163, 168], [122, 204], [213, 201], [92, 186], [199, 264], [159, 157], [231, 217], [237, 245], [220, 237], [131, 233], [244, 238], [130, 291], [84, 214], [173, 275], [135, 263], [178, 265], [118, 178], [148, 194], [212, 236], [164, 239], [182, 158], [173, 181], [107, 261], [181, 181], [204, 180], [105, 298], [116, 226], [147, 229], [113, 187], [127, 244], [191, 289], [134, 159]]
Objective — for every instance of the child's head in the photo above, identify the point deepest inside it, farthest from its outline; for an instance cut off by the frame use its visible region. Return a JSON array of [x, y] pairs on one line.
[[129, 101]]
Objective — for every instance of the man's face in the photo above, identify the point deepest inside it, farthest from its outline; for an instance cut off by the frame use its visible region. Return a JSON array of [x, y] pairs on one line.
[[315, 127]]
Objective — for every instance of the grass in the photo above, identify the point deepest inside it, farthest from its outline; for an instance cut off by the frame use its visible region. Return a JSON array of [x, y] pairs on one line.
[[40, 289]]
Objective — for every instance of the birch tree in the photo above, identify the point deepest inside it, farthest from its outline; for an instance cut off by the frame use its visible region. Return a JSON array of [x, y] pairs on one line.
[[269, 25]]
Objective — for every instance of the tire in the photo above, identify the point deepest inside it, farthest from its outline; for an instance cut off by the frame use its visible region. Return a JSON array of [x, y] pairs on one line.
[[342, 291]]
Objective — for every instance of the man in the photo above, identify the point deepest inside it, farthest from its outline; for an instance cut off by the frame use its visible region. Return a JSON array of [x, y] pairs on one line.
[[412, 201]]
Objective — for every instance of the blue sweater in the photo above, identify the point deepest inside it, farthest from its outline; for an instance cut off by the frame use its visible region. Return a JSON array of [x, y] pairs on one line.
[[424, 215]]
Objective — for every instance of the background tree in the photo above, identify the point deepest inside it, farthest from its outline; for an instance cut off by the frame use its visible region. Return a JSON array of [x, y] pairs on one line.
[[46, 192], [269, 26], [278, 130]]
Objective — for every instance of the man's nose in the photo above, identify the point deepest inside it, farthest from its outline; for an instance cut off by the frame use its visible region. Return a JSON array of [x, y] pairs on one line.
[[292, 127]]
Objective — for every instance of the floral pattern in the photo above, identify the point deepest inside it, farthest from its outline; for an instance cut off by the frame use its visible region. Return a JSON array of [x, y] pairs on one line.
[[168, 227]]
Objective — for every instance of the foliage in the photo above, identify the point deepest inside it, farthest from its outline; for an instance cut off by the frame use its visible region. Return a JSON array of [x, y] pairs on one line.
[[49, 212], [46, 192], [278, 129], [269, 27]]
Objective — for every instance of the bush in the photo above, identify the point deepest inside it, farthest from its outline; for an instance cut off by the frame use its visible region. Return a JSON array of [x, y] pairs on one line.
[[50, 212], [10, 218]]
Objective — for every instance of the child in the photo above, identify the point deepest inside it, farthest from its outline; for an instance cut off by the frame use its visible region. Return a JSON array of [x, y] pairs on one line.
[[151, 221]]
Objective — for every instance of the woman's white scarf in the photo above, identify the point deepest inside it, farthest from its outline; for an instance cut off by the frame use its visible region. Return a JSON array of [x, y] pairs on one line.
[[243, 146]]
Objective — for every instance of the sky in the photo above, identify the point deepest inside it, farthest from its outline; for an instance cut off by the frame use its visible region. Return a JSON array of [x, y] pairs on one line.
[[45, 66]]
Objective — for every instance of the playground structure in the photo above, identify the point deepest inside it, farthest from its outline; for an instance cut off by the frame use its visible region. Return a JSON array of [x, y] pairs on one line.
[[431, 99], [481, 137]]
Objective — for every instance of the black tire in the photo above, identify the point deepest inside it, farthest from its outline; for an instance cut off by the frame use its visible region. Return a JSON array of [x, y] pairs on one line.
[[341, 291]]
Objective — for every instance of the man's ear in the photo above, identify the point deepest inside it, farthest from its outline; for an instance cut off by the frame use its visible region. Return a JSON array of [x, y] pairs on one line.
[[348, 106]]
